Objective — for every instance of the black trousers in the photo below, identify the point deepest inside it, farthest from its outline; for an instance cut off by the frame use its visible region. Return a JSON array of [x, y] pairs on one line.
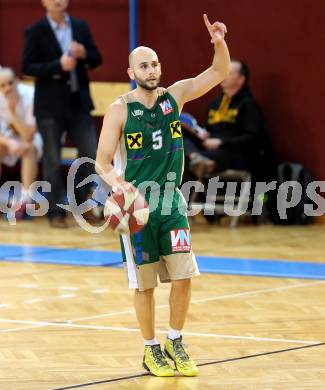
[[224, 158], [81, 130]]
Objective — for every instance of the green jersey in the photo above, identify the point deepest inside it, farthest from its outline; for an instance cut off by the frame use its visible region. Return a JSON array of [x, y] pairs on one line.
[[151, 144]]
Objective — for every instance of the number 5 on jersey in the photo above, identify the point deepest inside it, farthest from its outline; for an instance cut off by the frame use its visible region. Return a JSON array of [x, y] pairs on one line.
[[156, 140]]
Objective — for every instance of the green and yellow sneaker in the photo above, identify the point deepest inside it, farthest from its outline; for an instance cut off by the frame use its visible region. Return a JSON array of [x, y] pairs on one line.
[[154, 361], [183, 363]]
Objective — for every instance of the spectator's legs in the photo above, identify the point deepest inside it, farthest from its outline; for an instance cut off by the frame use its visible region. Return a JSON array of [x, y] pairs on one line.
[[198, 163], [3, 151], [191, 146], [223, 158], [82, 132], [29, 167], [3, 154], [51, 130]]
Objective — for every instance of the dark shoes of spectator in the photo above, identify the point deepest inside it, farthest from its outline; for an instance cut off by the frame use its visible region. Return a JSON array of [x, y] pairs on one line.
[[200, 165], [58, 222]]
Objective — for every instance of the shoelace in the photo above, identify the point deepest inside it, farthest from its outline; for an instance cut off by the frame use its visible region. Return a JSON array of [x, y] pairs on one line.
[[158, 356], [180, 351]]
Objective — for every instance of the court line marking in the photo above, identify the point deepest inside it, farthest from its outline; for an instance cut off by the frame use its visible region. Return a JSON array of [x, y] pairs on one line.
[[199, 365], [35, 300], [65, 296], [21, 328], [25, 285], [123, 329], [203, 300], [255, 292], [236, 295], [68, 288], [265, 267]]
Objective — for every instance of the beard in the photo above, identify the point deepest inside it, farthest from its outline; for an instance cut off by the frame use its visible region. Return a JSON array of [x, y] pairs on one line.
[[146, 84]]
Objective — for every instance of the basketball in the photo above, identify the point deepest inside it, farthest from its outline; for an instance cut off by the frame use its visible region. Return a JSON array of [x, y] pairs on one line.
[[126, 212]]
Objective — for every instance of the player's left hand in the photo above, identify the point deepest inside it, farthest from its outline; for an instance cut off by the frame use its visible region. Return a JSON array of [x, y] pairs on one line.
[[217, 30]]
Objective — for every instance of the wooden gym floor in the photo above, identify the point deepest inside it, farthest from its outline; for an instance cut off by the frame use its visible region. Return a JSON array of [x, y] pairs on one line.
[[73, 327]]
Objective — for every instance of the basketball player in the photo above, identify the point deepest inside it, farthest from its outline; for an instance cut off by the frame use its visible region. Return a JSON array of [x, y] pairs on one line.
[[142, 132]]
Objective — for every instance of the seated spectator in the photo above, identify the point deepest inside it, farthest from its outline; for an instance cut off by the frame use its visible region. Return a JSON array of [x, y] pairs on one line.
[[234, 122], [18, 136]]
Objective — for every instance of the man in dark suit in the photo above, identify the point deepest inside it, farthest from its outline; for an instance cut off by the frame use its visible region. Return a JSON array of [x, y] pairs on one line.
[[58, 51]]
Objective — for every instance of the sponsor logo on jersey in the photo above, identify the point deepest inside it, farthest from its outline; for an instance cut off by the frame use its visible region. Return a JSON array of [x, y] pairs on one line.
[[137, 113], [166, 107], [175, 129], [134, 140], [180, 240]]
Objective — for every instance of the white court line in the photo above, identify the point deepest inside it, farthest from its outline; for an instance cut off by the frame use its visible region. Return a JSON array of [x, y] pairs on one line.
[[68, 288], [99, 291], [116, 313], [65, 296], [253, 292], [21, 328], [35, 300], [25, 285], [216, 298], [3, 305], [122, 329]]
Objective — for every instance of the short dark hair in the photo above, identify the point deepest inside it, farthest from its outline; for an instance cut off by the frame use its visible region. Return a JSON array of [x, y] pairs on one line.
[[244, 69]]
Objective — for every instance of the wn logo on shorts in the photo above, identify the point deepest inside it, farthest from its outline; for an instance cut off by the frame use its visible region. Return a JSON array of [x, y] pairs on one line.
[[180, 240], [166, 107]]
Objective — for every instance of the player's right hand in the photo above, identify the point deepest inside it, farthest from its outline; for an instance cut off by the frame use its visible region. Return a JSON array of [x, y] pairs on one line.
[[68, 63], [217, 30]]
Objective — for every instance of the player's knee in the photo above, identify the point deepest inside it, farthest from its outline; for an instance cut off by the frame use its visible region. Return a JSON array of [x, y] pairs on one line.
[[148, 291], [182, 283]]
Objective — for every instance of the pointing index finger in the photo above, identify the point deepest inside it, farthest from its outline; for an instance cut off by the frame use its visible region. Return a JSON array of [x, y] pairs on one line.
[[206, 20]]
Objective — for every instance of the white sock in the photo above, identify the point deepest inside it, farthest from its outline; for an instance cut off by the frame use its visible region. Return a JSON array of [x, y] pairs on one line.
[[154, 341], [174, 334]]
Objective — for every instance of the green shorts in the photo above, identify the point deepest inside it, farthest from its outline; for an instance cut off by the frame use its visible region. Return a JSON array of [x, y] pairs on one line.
[[162, 247]]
